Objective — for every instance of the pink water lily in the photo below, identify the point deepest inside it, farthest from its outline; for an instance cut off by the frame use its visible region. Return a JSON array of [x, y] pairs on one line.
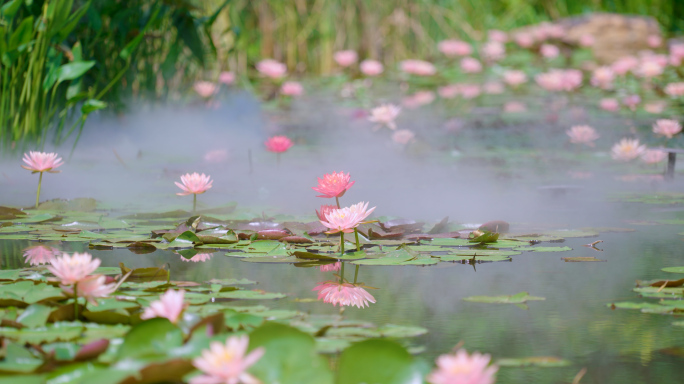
[[471, 65], [40, 254], [333, 185], [345, 58], [418, 67], [41, 162], [334, 267], [385, 115], [549, 51], [347, 218], [675, 89], [586, 41], [193, 184], [371, 67], [72, 269], [462, 368], [292, 88], [205, 89], [169, 306], [627, 149], [278, 144], [226, 78], [582, 134], [493, 51], [91, 288], [344, 294], [667, 127], [453, 48], [514, 78], [653, 156], [603, 77], [198, 258], [271, 68], [609, 104], [227, 363]]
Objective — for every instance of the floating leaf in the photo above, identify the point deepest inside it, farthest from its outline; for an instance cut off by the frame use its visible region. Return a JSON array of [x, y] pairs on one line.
[[580, 259], [249, 295], [535, 361], [543, 249], [518, 298], [378, 362], [673, 269]]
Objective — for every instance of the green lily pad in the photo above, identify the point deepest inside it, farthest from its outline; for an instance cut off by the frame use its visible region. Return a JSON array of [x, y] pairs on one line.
[[580, 259], [485, 258], [62, 331], [249, 295], [543, 249], [377, 361], [518, 298], [673, 269], [535, 361], [19, 360]]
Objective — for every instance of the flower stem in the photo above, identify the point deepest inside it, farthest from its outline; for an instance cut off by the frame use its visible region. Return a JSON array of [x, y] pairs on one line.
[[342, 273], [356, 273], [75, 300], [194, 202], [341, 243], [40, 181], [356, 234], [337, 199]]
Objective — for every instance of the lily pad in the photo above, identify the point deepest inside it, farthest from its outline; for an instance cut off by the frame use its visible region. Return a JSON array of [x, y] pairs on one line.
[[543, 249], [673, 269], [535, 361], [518, 298], [580, 259]]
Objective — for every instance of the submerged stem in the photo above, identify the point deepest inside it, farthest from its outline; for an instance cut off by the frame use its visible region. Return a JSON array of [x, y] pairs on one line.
[[356, 273], [356, 235], [40, 181], [194, 202], [75, 301], [341, 243], [342, 273]]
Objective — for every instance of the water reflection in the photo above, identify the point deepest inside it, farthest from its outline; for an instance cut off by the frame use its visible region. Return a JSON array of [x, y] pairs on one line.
[[198, 258], [341, 291], [40, 254]]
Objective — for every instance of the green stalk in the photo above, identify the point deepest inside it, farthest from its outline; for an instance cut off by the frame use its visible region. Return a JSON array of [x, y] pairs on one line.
[[75, 301], [337, 199], [341, 243], [356, 234], [356, 273], [194, 202], [40, 181], [342, 273]]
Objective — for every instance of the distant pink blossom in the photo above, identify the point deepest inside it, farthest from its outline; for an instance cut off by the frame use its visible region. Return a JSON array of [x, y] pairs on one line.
[[418, 99], [72, 269], [667, 128], [448, 91], [91, 288], [493, 51], [40, 254], [514, 78], [418, 67], [649, 68], [193, 184], [461, 368], [385, 115], [675, 89], [41, 162], [582, 134], [560, 80], [345, 58], [198, 258], [334, 267], [524, 39], [627, 149], [654, 41], [292, 88], [226, 78], [371, 67], [470, 91], [471, 65], [278, 144], [403, 136], [586, 41], [554, 31], [653, 156], [493, 88], [655, 107], [344, 294], [677, 51], [347, 218], [603, 77], [631, 101], [514, 107], [333, 185], [497, 35], [452, 48], [271, 68], [205, 89], [549, 51], [325, 209], [227, 363], [625, 64], [609, 104], [216, 156], [169, 306]]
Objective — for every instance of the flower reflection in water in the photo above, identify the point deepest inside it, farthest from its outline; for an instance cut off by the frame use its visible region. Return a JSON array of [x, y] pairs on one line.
[[343, 292], [334, 267], [198, 258], [40, 254]]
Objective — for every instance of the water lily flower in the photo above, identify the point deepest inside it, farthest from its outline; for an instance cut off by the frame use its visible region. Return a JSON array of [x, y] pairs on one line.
[[649, 68], [418, 67], [461, 368], [170, 306], [198, 258], [654, 41], [347, 218], [453, 48], [292, 88], [226, 78], [471, 65], [385, 115], [271, 68], [91, 288], [403, 136], [227, 363], [603, 77], [631, 101], [582, 134], [675, 89], [653, 156], [344, 294], [586, 41], [514, 78], [497, 35], [345, 58], [194, 184], [418, 99], [278, 144], [667, 127], [40, 254], [677, 51], [334, 267], [549, 51], [627, 149], [560, 80], [325, 209], [333, 185], [493, 51], [371, 67], [625, 64], [609, 104], [72, 269], [655, 107], [39, 162], [205, 89], [524, 39]]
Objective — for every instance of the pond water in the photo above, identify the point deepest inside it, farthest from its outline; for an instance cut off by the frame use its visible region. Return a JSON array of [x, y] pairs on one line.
[[133, 172]]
